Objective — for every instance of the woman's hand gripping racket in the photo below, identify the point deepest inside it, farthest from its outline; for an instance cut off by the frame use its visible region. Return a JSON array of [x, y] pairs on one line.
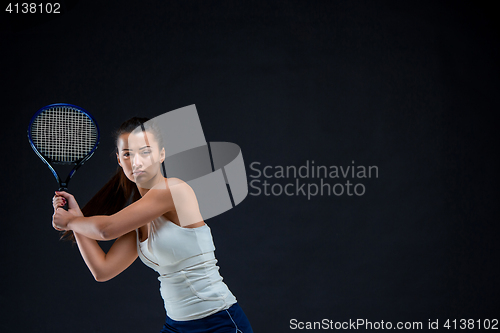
[[60, 218], [63, 134]]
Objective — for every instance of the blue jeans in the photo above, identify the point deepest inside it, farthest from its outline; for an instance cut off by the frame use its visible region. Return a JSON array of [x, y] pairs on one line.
[[231, 320]]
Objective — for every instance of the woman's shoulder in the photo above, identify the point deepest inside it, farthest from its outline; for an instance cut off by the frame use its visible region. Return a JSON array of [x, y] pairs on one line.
[[170, 183], [178, 185], [173, 181]]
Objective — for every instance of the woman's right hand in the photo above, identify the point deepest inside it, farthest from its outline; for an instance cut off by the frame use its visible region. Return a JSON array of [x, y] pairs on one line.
[[60, 199]]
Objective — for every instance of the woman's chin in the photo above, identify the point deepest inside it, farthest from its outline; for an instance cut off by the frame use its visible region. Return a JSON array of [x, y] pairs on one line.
[[141, 179], [144, 179], [145, 182]]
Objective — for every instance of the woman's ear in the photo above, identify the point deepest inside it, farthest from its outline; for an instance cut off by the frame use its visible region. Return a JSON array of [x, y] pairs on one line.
[[118, 159], [162, 155]]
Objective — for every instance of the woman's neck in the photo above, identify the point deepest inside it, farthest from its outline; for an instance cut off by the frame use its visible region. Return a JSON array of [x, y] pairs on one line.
[[157, 182]]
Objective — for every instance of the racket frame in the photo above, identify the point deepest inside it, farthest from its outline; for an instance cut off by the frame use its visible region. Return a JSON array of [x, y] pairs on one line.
[[63, 186]]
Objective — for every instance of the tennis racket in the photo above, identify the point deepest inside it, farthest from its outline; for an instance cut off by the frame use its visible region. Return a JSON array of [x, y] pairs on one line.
[[63, 134]]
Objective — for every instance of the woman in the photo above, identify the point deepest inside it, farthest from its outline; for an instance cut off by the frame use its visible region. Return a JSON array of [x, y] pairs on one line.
[[172, 239]]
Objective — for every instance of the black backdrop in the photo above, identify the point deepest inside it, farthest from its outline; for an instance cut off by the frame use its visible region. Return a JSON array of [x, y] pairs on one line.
[[410, 88]]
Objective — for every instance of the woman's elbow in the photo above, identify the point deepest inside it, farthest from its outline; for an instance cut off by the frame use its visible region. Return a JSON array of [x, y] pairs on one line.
[[99, 279], [106, 233], [102, 277], [108, 228]]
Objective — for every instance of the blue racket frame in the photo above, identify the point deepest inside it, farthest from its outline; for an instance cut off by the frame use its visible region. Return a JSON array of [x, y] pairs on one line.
[[63, 186]]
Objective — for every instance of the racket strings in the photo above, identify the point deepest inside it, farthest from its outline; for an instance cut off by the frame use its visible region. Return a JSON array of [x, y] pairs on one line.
[[64, 134]]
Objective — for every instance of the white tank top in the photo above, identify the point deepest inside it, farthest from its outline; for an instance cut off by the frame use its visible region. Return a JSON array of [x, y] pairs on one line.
[[191, 285]]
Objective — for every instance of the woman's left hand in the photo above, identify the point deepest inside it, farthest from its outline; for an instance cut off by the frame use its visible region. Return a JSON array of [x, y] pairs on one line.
[[61, 218]]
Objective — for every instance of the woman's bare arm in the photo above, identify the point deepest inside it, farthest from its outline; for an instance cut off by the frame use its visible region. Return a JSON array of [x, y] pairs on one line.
[[105, 266], [153, 204]]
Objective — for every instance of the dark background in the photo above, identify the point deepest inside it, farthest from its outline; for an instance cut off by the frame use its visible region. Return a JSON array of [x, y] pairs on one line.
[[409, 87]]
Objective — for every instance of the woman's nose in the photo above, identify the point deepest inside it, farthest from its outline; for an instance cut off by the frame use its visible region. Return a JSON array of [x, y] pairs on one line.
[[136, 160]]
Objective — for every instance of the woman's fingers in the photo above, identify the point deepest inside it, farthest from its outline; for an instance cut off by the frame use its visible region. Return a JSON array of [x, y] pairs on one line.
[[58, 196], [59, 199], [58, 219], [54, 221], [58, 202], [69, 198], [64, 194]]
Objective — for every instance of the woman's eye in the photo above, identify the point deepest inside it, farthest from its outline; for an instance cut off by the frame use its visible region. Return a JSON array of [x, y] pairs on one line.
[[126, 155], [146, 152]]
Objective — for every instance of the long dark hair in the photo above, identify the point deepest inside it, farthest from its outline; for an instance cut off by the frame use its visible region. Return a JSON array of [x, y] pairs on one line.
[[119, 190]]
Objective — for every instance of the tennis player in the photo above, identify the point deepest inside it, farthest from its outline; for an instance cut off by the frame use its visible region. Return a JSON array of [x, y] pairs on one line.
[[136, 207]]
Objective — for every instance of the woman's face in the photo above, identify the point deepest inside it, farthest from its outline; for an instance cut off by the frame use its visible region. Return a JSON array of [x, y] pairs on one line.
[[140, 157]]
